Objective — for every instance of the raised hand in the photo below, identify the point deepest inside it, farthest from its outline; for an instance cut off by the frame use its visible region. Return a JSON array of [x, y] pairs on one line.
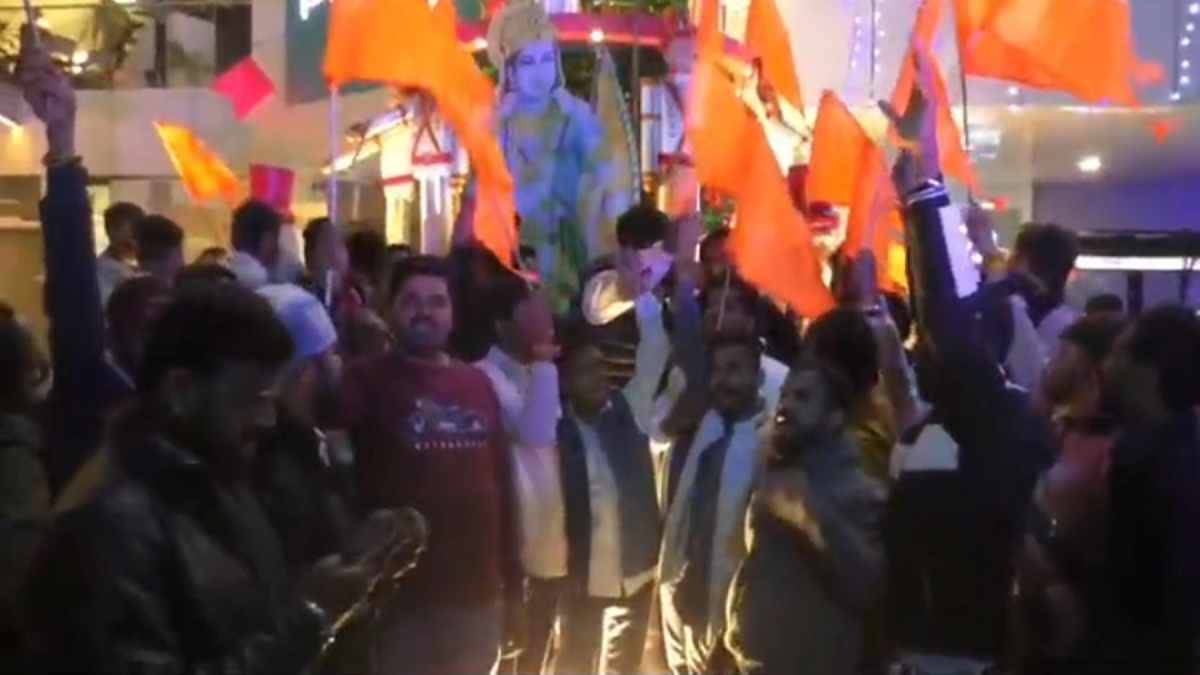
[[535, 321], [629, 273], [917, 125], [49, 94], [687, 242]]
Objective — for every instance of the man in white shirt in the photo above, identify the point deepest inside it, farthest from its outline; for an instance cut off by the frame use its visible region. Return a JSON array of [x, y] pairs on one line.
[[613, 517], [117, 262], [710, 475], [255, 233], [521, 369]]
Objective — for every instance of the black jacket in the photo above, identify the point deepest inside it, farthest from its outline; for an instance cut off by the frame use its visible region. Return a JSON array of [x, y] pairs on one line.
[[1153, 551], [950, 534], [167, 571]]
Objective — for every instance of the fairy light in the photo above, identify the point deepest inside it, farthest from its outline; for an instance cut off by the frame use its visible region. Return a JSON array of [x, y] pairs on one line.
[[876, 16], [1185, 23]]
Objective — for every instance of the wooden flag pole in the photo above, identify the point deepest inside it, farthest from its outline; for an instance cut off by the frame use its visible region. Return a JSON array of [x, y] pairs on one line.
[[962, 83]]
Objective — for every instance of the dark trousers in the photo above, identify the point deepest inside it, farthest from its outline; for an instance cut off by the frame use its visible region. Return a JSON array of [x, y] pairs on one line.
[[604, 635], [543, 605]]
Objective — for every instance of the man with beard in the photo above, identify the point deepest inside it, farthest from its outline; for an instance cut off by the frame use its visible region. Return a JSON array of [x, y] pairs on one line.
[[429, 434], [814, 543], [710, 473], [174, 567]]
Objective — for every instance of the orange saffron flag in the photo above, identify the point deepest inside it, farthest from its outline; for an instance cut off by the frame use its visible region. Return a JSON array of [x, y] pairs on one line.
[[837, 150], [1080, 47], [203, 173], [875, 221], [954, 158], [363, 46], [771, 244], [380, 41], [767, 36]]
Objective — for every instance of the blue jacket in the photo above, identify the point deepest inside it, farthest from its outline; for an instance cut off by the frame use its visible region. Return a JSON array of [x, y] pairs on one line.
[[86, 386], [950, 534]]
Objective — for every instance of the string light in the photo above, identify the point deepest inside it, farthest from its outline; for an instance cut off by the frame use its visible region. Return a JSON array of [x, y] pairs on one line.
[[1181, 76]]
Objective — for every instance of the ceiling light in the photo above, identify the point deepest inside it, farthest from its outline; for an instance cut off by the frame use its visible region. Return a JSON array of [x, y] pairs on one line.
[[853, 63], [1191, 27], [1184, 80], [858, 20], [1090, 164], [1175, 96], [1185, 64], [1014, 91], [1194, 8], [882, 34], [1185, 42]]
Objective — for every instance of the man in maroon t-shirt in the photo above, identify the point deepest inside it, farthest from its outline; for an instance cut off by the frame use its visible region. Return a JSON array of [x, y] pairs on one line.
[[429, 434]]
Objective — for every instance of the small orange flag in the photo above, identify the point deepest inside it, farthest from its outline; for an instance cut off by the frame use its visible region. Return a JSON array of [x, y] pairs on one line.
[[203, 173], [767, 35], [363, 46], [875, 221], [955, 160], [1080, 47], [837, 150], [1164, 128], [771, 244]]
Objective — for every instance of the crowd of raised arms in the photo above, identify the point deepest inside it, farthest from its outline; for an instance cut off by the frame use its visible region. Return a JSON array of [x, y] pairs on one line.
[[388, 463]]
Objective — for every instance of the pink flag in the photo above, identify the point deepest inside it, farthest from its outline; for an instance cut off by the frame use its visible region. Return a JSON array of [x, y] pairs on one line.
[[245, 85]]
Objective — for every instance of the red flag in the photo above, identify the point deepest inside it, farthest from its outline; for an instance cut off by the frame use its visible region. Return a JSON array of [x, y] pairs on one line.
[[771, 244], [955, 160], [767, 35], [837, 147], [203, 173], [363, 45], [245, 85], [1080, 47]]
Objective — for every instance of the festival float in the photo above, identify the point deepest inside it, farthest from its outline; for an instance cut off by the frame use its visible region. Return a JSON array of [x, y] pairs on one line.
[[596, 144]]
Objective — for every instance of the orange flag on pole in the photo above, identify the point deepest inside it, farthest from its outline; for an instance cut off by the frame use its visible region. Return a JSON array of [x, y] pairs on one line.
[[203, 173], [875, 221], [768, 37], [771, 244], [955, 160], [363, 46], [364, 43], [837, 150], [1080, 47]]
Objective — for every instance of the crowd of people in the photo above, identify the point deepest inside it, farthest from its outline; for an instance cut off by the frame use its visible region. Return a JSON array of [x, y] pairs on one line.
[[217, 460]]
